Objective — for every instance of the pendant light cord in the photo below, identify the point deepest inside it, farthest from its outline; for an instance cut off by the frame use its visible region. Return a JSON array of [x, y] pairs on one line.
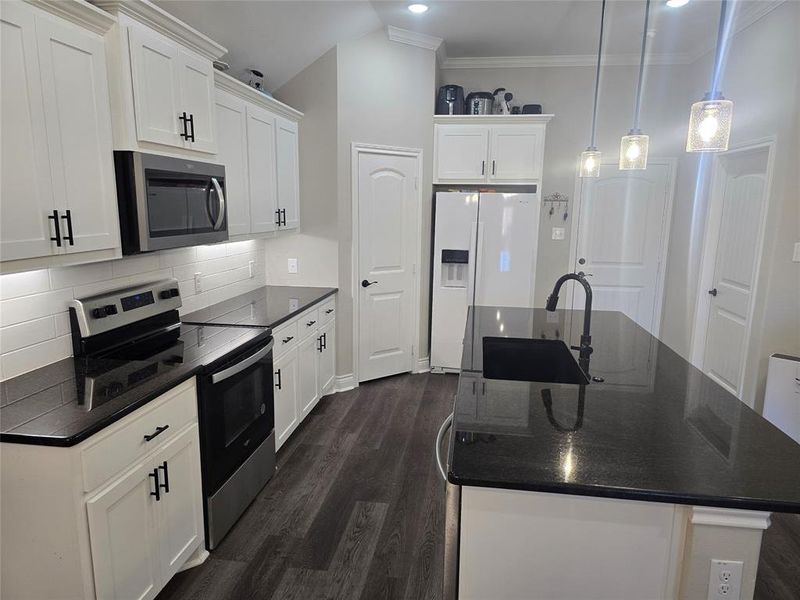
[[641, 69], [597, 72], [715, 75]]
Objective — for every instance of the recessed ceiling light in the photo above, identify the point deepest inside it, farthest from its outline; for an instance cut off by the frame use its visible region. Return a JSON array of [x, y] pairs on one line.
[[677, 3], [418, 9]]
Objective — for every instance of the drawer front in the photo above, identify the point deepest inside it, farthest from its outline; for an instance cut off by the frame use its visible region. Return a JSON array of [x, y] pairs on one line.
[[327, 310], [285, 338], [125, 442], [307, 323]]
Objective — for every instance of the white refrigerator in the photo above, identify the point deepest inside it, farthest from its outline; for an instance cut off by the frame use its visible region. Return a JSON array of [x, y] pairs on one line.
[[484, 254]]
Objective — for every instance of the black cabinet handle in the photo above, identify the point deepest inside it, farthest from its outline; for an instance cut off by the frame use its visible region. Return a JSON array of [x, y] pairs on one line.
[[157, 492], [324, 341], [310, 323], [713, 292], [329, 311], [277, 217], [286, 340], [191, 124], [494, 167], [185, 119], [283, 212], [68, 218], [278, 384], [366, 283], [156, 433], [165, 467], [319, 341], [483, 167], [56, 239]]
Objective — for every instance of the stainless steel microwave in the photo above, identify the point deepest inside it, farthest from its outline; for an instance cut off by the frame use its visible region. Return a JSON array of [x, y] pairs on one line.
[[167, 202]]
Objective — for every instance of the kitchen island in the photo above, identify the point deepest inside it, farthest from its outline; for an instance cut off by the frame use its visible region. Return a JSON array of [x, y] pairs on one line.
[[627, 487]]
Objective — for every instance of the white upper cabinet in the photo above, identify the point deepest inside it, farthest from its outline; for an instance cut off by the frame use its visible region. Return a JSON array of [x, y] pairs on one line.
[[288, 173], [261, 166], [197, 99], [232, 152], [58, 190], [496, 149]]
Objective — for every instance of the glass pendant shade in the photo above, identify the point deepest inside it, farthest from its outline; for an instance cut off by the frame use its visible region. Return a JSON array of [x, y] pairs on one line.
[[590, 162], [633, 151], [710, 125]]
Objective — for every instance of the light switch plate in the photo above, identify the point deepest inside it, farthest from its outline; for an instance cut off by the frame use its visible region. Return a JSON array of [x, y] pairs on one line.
[[725, 580], [558, 233], [796, 254], [292, 265], [251, 268]]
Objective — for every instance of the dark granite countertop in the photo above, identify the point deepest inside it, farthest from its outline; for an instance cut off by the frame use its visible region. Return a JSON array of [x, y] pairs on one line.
[[656, 429], [267, 306]]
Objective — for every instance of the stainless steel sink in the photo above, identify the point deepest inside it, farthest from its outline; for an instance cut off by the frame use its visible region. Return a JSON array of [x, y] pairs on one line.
[[525, 359]]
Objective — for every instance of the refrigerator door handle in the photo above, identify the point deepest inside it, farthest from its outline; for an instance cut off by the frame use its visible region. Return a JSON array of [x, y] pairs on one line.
[[476, 295]]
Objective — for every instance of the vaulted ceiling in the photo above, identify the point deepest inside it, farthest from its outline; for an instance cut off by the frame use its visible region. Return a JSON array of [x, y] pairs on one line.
[[281, 38]]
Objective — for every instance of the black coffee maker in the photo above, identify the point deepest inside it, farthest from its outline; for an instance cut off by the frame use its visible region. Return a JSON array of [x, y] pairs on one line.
[[450, 100]]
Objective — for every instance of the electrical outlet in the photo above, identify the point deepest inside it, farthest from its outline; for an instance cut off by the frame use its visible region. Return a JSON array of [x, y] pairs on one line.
[[558, 233], [251, 267], [198, 283], [725, 580], [292, 265], [796, 254]]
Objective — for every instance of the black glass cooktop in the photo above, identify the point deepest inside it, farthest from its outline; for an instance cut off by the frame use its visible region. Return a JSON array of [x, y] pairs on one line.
[[66, 402]]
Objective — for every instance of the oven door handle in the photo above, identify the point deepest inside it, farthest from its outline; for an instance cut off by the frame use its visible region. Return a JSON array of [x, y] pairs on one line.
[[221, 196], [241, 366]]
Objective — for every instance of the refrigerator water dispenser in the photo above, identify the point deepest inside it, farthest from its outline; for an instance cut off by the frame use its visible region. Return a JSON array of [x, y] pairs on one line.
[[455, 271]]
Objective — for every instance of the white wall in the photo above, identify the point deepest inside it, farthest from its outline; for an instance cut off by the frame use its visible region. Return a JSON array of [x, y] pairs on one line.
[[34, 325]]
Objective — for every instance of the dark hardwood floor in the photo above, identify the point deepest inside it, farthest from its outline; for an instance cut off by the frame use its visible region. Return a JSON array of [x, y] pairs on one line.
[[356, 510]]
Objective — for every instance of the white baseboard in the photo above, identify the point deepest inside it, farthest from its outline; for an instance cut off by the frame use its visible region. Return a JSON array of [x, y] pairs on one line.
[[197, 558], [345, 382], [423, 365]]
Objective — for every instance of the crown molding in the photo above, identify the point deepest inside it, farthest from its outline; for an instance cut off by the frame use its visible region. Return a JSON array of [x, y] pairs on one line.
[[492, 119], [561, 60], [413, 38], [245, 92], [149, 14], [79, 12]]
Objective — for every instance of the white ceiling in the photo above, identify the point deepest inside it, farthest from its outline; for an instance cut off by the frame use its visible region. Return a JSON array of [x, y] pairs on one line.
[[281, 38]]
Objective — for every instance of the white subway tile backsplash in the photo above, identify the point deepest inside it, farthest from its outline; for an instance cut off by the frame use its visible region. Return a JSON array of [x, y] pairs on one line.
[[34, 322]]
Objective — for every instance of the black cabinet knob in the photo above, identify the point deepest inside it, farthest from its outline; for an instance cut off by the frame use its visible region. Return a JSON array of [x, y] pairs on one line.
[[713, 292]]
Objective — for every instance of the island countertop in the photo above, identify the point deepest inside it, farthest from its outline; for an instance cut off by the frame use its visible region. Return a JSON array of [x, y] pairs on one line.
[[656, 429]]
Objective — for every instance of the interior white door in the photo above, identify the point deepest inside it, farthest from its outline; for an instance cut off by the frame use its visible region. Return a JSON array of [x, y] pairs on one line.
[[508, 231], [308, 368], [197, 99], [387, 237], [287, 409], [26, 193], [327, 358], [741, 185], [286, 150], [125, 553], [180, 519], [516, 152], [78, 118], [620, 234], [261, 169], [156, 88], [461, 153], [232, 152]]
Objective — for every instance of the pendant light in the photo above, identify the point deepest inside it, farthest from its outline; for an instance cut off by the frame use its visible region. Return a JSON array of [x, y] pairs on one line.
[[633, 147], [710, 119], [590, 158]]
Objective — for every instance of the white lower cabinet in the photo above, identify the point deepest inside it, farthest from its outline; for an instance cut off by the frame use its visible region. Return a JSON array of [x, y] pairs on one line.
[[327, 357], [287, 414], [309, 374]]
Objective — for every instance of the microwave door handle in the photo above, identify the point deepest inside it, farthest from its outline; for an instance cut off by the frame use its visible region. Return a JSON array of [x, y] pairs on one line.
[[241, 366], [221, 196]]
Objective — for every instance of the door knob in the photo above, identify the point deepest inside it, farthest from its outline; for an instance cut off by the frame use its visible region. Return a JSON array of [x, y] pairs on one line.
[[581, 261], [713, 292], [365, 283]]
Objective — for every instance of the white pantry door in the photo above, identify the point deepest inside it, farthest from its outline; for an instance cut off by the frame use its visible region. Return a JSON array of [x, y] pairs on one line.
[[730, 265], [621, 228], [387, 235]]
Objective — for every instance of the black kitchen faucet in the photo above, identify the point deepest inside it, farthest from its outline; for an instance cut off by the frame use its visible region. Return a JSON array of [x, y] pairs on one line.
[[586, 339]]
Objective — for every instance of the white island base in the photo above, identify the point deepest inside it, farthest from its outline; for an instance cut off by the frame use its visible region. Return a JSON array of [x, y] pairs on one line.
[[530, 545]]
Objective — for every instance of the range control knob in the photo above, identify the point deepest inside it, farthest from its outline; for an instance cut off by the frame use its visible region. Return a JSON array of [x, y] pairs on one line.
[[99, 312], [111, 309], [170, 293]]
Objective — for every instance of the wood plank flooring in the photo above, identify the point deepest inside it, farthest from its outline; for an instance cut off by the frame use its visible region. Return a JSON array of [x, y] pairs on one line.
[[356, 510]]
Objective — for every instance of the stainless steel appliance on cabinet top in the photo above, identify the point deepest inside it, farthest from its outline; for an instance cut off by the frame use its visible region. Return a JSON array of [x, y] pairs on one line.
[[167, 202]]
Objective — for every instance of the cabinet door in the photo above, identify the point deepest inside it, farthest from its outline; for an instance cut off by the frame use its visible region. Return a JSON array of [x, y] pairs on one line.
[[197, 99], [287, 407], [288, 172], [261, 168], [156, 88], [122, 535], [180, 510], [308, 367], [26, 193], [516, 152], [461, 152], [327, 358], [78, 118], [232, 152]]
